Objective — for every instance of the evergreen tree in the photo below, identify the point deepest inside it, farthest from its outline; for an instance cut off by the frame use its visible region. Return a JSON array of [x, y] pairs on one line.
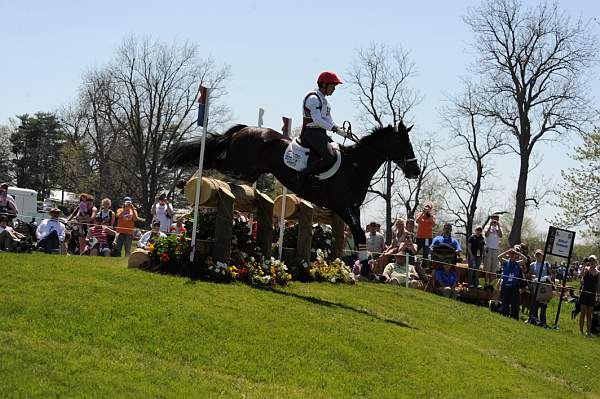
[[36, 146]]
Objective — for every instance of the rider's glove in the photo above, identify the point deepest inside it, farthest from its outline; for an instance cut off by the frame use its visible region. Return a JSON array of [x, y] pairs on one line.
[[340, 131]]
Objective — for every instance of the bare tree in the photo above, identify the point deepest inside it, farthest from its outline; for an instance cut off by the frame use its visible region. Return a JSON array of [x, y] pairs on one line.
[[532, 62], [379, 77], [131, 111], [409, 193], [478, 137]]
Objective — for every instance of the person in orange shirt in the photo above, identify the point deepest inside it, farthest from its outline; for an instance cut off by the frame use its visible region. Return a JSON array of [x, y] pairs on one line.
[[126, 217], [425, 222]]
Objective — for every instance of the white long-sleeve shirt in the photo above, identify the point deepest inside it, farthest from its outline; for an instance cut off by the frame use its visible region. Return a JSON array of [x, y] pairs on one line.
[[143, 242], [48, 226], [317, 108]]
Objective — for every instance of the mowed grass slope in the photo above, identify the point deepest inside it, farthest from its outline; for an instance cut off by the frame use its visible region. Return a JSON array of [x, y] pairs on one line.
[[89, 327]]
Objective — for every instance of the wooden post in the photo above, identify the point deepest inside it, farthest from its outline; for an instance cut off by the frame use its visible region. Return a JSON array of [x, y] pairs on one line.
[[337, 230], [224, 225], [304, 244], [264, 228]]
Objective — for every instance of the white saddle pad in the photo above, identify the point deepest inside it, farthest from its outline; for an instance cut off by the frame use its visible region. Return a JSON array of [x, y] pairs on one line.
[[295, 156]]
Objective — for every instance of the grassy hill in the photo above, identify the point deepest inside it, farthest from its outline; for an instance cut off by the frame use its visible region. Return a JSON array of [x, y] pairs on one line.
[[89, 327]]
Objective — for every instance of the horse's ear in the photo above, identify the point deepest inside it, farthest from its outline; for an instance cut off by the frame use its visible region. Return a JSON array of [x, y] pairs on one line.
[[409, 129]]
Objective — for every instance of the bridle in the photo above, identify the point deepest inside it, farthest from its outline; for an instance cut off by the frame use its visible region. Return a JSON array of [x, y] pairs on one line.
[[347, 126]]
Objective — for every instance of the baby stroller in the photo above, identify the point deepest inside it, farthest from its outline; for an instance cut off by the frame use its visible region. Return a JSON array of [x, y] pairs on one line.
[[26, 232]]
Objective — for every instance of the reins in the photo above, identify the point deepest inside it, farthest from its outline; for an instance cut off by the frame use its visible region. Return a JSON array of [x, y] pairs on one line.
[[355, 139]]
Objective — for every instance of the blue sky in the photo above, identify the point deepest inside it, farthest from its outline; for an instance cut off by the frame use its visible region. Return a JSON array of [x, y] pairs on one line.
[[275, 50]]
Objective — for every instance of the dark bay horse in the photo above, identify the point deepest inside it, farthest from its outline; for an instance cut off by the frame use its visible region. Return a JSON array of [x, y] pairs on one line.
[[246, 152]]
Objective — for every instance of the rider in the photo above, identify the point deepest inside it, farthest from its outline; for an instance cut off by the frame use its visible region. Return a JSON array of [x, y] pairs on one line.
[[317, 120]]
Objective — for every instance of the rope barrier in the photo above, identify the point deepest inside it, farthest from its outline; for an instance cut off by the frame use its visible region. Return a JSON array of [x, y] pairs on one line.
[[413, 257]]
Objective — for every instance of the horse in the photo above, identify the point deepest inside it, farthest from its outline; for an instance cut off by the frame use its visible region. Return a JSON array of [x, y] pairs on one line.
[[246, 152]]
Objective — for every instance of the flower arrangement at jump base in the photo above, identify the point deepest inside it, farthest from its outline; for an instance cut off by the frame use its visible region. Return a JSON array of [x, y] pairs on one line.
[[334, 271], [170, 254], [270, 272]]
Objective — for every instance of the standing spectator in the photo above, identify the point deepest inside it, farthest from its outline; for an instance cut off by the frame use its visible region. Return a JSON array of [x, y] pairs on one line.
[[8, 205], [534, 270], [425, 222], [84, 214], [447, 239], [511, 275], [163, 212], [588, 293], [375, 240], [51, 232], [150, 236], [493, 234], [348, 252], [107, 218], [475, 248], [524, 249], [126, 217]]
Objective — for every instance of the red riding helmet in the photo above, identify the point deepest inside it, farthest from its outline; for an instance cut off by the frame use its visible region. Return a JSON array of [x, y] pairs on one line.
[[328, 77]]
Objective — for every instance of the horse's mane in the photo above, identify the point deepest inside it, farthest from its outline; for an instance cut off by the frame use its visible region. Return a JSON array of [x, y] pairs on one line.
[[369, 139]]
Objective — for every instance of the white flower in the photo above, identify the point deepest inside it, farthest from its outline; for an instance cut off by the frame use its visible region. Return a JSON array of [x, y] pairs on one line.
[[332, 280], [328, 241]]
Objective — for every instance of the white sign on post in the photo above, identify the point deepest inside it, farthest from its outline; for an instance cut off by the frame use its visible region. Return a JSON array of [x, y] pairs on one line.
[[560, 242]]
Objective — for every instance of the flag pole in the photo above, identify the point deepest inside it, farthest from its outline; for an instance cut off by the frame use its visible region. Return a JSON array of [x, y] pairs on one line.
[[261, 113], [287, 132], [202, 118]]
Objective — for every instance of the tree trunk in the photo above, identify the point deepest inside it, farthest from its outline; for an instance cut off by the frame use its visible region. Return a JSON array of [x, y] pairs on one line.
[[515, 232], [388, 203]]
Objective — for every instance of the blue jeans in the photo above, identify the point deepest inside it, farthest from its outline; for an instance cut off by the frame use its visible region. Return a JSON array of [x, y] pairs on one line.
[[123, 239], [474, 263], [534, 312]]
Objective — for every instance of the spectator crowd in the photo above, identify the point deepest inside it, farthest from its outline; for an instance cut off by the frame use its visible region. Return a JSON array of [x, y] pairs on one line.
[[89, 230]]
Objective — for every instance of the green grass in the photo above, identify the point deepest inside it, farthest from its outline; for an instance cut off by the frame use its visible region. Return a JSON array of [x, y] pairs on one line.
[[89, 327]]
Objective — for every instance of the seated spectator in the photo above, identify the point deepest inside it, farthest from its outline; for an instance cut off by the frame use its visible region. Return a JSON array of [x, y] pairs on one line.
[[395, 272], [98, 237], [50, 233], [9, 238], [408, 246], [398, 233], [178, 227], [511, 277], [445, 281], [150, 236]]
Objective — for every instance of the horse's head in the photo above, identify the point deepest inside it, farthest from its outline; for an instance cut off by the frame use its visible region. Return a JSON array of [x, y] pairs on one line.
[[396, 146]]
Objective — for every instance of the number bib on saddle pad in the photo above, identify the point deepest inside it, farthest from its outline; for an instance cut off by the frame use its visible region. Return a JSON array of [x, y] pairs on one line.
[[295, 157]]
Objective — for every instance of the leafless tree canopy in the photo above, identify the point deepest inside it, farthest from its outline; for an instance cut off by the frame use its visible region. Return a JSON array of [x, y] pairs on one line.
[[132, 110], [532, 63], [379, 77], [478, 137]]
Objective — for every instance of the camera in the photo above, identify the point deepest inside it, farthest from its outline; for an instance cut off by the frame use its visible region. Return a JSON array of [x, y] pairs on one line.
[[427, 213]]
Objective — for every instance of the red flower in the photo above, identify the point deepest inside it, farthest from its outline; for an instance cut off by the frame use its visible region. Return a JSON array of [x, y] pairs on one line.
[[164, 257]]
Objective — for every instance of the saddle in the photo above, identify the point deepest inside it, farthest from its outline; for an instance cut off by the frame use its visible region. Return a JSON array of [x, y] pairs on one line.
[[296, 157]]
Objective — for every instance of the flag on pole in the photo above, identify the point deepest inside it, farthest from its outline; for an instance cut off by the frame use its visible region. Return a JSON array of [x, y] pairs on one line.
[[287, 126], [202, 105]]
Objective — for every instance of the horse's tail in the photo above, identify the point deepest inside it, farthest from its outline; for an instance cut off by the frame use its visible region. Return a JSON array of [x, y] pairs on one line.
[[187, 153]]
